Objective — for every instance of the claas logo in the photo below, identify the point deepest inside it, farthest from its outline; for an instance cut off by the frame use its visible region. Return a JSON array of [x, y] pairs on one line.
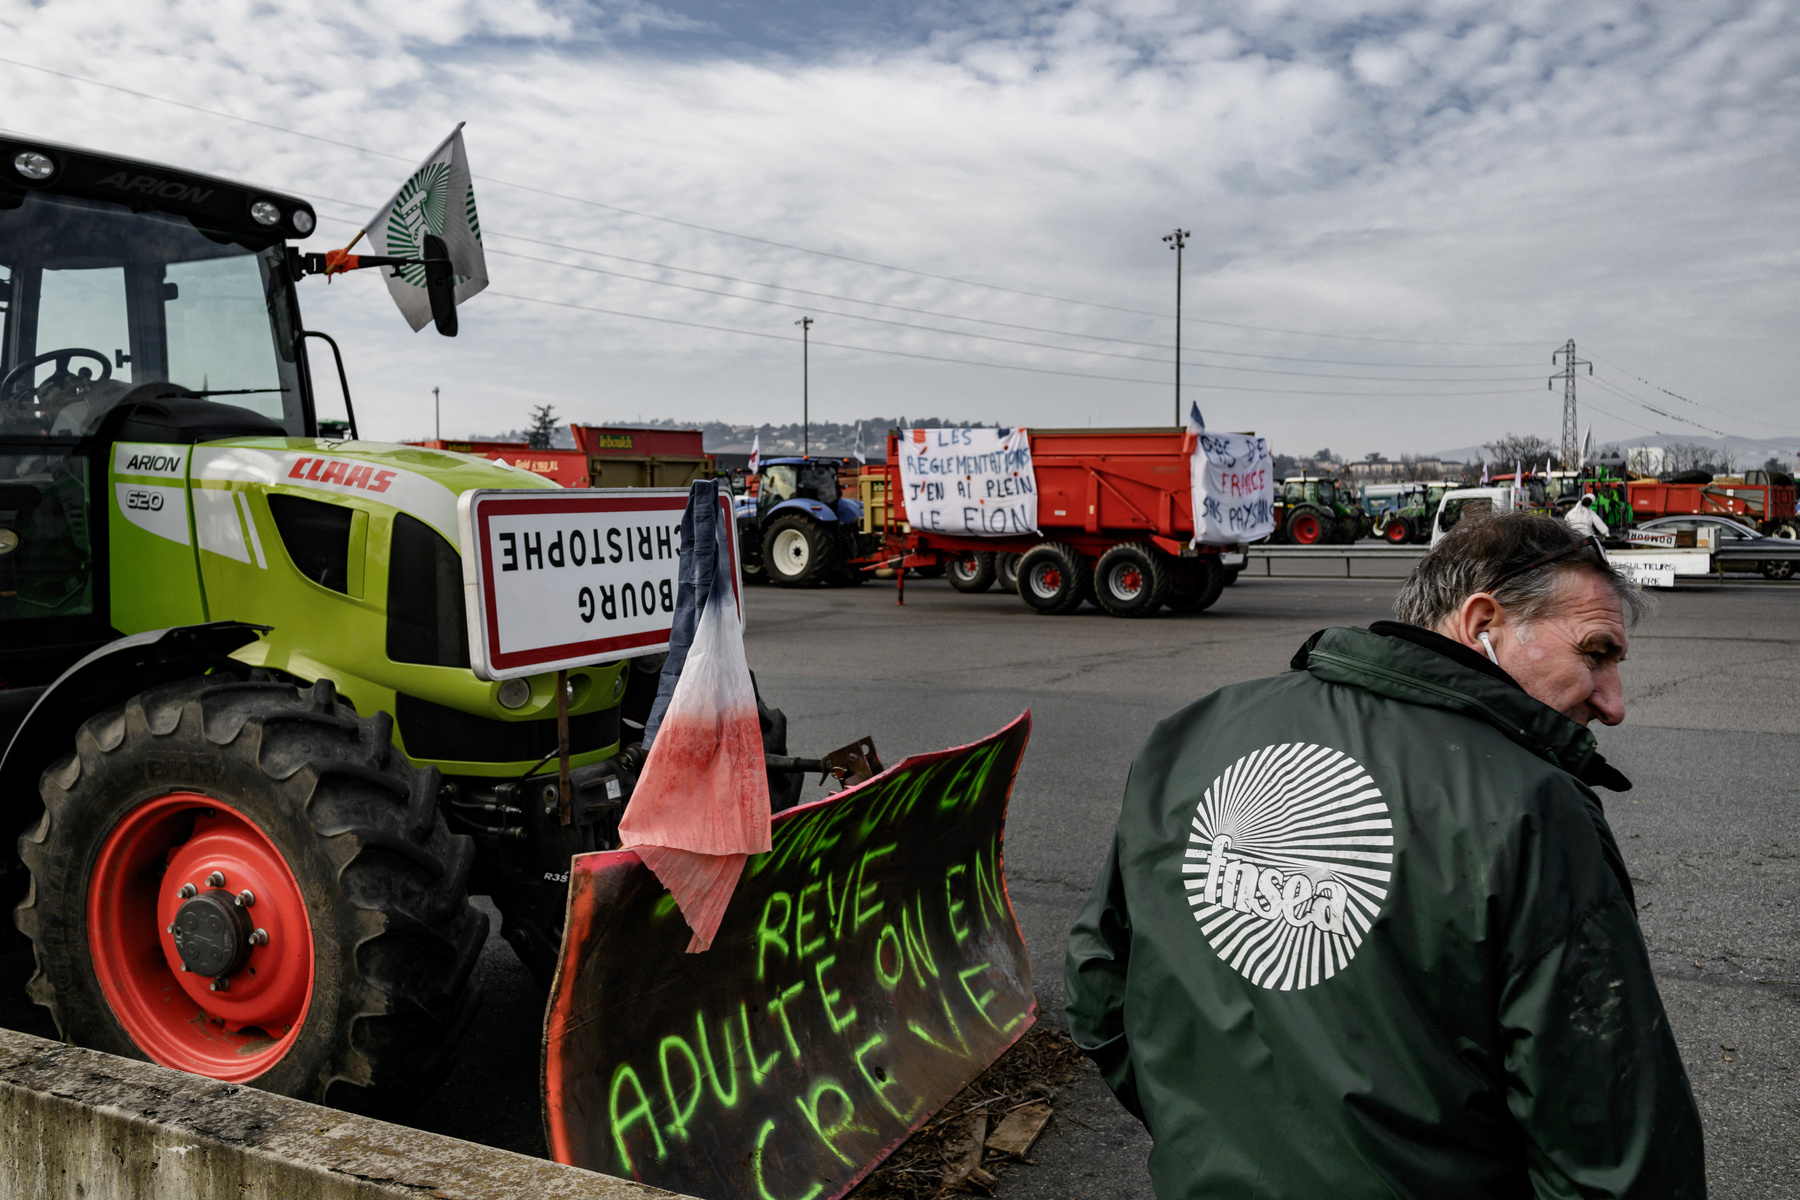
[[340, 473]]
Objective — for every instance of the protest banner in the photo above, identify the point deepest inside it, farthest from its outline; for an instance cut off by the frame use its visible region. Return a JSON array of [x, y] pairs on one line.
[[976, 482], [558, 578], [1233, 483], [868, 968]]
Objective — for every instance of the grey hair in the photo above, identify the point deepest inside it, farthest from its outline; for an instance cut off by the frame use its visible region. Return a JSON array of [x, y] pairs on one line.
[[1482, 549]]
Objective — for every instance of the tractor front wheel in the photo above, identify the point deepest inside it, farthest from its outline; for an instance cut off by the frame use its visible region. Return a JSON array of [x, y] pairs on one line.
[[244, 880], [795, 551]]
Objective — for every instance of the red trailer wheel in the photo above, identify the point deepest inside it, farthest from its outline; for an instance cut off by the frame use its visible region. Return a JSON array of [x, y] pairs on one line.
[[210, 920]]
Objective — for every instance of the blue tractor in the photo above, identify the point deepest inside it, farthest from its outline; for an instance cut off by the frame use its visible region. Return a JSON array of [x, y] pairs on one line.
[[803, 530]]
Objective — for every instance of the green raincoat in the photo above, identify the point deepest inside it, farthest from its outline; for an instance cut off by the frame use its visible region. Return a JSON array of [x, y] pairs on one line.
[[1364, 932]]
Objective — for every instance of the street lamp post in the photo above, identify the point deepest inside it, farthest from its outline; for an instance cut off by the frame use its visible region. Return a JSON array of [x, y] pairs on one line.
[[1177, 241], [805, 324]]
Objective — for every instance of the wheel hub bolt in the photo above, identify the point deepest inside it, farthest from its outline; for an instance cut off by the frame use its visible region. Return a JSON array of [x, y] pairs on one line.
[[185, 891], [260, 938], [216, 879], [245, 898], [221, 984]]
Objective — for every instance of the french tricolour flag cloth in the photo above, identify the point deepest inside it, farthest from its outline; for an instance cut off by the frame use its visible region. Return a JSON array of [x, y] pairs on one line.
[[701, 806]]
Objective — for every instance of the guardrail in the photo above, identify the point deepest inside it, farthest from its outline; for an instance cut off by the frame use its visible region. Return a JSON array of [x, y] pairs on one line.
[[1377, 552]]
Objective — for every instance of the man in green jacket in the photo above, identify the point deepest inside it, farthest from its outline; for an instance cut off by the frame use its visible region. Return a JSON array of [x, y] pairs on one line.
[[1364, 931]]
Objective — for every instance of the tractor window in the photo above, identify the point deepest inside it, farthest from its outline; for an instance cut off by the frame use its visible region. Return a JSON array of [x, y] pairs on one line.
[[46, 565], [218, 324], [819, 482], [778, 482], [101, 300], [86, 308]]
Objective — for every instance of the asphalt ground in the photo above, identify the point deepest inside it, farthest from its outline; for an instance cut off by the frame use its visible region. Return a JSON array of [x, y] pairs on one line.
[[1710, 832]]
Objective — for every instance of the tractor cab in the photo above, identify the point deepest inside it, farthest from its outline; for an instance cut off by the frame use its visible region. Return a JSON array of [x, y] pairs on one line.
[[784, 479], [1304, 490], [137, 305]]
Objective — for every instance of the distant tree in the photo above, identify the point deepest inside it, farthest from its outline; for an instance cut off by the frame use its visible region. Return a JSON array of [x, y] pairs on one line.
[[1520, 448], [1324, 455], [543, 427], [1285, 466], [1774, 464], [1372, 456]]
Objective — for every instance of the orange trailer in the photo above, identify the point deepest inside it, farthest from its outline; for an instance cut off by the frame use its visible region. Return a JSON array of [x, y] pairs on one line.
[[1115, 517]]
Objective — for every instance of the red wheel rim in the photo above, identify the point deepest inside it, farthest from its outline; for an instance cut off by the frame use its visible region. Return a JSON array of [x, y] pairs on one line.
[[175, 1016], [1396, 532], [1306, 529]]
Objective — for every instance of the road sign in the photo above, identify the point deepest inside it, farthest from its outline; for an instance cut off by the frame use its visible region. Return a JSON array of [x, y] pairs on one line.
[[869, 967], [564, 578]]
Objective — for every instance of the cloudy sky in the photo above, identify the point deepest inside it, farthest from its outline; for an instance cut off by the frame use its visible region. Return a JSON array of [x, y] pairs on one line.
[[1397, 211]]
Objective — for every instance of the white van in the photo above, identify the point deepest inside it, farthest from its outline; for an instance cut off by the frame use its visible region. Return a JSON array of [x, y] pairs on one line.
[[1459, 502]]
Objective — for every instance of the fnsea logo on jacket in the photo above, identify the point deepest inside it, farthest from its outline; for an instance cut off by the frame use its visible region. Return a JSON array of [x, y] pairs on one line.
[[1288, 862]]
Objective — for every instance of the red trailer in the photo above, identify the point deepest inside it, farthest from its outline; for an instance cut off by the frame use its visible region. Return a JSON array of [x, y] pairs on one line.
[[567, 467], [603, 457], [1765, 505], [1114, 516]]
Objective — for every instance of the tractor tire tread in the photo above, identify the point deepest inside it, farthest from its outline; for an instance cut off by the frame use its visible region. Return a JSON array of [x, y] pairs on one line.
[[385, 878]]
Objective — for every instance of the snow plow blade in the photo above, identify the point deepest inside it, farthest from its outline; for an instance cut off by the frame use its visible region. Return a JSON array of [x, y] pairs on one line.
[[869, 967]]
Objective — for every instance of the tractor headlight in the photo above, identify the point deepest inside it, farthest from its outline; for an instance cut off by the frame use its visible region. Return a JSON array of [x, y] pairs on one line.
[[303, 221], [265, 213], [514, 693], [32, 165]]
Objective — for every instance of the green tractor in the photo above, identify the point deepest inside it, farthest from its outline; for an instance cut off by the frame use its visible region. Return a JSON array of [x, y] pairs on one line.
[[1409, 519], [250, 774], [1311, 510]]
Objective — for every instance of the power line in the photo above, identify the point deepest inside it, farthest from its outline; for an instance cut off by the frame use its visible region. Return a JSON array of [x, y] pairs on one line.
[[988, 337], [582, 200], [1677, 395], [980, 336], [1624, 395], [928, 312], [971, 362]]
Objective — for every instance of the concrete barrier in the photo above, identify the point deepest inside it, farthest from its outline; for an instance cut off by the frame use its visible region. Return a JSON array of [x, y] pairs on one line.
[[78, 1124]]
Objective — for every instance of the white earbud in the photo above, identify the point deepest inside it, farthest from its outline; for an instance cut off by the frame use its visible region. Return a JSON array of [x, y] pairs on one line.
[[1487, 644]]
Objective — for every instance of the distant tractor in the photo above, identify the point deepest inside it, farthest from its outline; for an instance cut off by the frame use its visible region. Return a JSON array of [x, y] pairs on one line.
[[1313, 510], [1408, 518], [803, 530]]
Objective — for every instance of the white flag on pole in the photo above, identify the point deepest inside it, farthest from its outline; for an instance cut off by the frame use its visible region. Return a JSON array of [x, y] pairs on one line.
[[439, 199], [755, 453]]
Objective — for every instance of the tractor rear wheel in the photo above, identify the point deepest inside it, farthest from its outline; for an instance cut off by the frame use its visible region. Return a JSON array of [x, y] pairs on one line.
[[1053, 578], [973, 572], [1131, 580], [1307, 528], [795, 551], [243, 879]]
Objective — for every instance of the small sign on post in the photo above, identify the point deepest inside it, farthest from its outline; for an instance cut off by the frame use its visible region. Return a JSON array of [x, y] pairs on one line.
[[561, 578]]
